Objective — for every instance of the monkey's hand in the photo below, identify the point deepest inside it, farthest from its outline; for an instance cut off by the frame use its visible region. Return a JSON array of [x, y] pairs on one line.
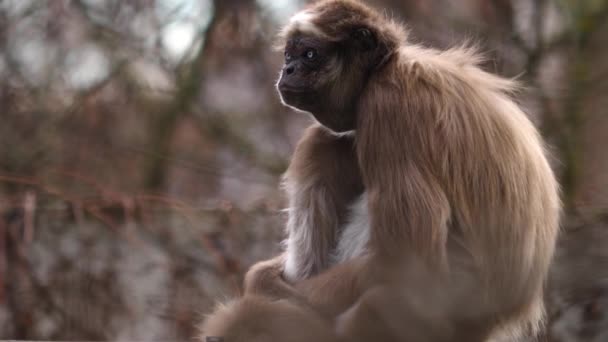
[[266, 279]]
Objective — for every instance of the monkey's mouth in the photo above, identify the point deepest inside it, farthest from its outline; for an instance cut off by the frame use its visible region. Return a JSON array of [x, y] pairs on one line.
[[298, 98], [283, 88]]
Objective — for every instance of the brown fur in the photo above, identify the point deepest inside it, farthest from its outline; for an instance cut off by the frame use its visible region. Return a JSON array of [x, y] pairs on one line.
[[322, 180], [257, 319], [273, 310], [328, 293], [456, 177]]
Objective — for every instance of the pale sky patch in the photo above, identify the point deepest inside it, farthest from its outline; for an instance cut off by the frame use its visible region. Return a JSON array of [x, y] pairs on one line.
[[86, 65]]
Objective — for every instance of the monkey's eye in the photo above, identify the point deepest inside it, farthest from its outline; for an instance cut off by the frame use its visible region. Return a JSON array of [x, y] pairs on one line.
[[310, 54], [287, 55], [363, 33]]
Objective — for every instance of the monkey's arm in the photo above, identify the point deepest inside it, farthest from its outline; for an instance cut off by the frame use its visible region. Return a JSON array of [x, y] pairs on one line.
[[329, 293], [399, 150], [323, 179], [409, 211]]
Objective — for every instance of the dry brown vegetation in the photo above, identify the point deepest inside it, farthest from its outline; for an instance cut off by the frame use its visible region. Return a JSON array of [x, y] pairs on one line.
[[139, 168]]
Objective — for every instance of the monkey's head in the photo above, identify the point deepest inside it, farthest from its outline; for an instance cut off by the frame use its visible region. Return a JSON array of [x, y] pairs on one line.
[[331, 49]]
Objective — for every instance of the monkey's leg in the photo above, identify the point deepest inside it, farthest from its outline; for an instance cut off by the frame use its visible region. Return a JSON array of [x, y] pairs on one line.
[[336, 289], [387, 314], [254, 318], [392, 313], [265, 279], [329, 293]]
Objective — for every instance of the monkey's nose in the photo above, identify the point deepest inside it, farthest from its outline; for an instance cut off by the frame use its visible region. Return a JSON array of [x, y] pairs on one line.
[[290, 69]]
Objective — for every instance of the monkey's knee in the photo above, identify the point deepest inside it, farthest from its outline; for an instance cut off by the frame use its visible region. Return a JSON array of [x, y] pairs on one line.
[[255, 318], [266, 279], [261, 274], [390, 314]]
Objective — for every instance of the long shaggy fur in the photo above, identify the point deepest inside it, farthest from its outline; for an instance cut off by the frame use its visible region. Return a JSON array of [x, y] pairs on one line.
[[454, 174]]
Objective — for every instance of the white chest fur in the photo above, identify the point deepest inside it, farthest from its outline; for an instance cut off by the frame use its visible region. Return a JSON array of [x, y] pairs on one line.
[[352, 242], [354, 237]]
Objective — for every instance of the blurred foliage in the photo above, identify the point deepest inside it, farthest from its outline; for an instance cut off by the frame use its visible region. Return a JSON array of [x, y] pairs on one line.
[[142, 144]]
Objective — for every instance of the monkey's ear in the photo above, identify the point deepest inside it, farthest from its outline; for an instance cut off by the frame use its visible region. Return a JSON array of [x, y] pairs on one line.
[[364, 38]]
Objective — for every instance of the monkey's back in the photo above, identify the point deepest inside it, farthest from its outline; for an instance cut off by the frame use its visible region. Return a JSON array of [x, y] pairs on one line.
[[490, 161]]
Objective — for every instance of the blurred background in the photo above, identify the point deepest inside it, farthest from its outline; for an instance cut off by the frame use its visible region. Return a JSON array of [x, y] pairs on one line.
[[142, 144]]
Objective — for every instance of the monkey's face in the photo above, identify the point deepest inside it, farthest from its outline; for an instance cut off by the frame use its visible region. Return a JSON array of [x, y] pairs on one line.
[[304, 77], [325, 76]]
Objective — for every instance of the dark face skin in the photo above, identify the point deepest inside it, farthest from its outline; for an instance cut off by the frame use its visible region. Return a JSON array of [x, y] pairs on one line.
[[326, 78]]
